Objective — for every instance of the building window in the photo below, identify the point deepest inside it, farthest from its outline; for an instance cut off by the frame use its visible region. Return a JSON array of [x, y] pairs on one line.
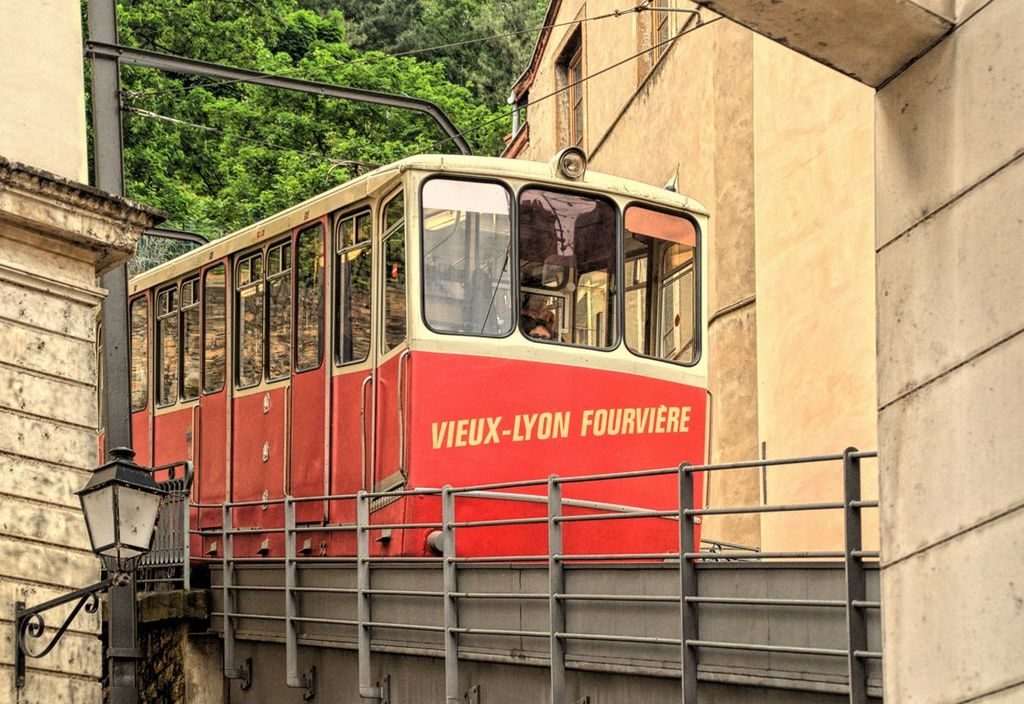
[[572, 119], [660, 29]]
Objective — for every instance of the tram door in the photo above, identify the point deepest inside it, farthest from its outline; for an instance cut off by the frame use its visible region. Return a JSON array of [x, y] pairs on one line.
[[393, 363], [352, 382], [212, 462], [177, 372], [309, 381], [263, 347]]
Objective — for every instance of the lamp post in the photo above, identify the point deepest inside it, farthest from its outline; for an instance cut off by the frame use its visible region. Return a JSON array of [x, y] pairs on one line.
[[121, 502]]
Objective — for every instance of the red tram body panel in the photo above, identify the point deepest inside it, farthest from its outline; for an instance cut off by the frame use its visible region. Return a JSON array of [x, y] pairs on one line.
[[445, 321]]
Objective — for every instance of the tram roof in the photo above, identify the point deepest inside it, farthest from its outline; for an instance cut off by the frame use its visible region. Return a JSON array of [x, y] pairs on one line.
[[369, 183]]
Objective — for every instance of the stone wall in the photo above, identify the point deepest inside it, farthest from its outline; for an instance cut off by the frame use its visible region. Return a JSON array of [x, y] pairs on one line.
[[55, 235]]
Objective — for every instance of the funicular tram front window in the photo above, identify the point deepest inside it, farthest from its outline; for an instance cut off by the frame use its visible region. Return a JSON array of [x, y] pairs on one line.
[[467, 240], [661, 285], [567, 258]]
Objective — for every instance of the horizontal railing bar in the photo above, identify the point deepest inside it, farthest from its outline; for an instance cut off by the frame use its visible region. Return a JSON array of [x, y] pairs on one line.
[[617, 516], [867, 654], [857, 603], [400, 560], [399, 526], [326, 621], [619, 556], [404, 626], [618, 639], [500, 522], [640, 598], [758, 555], [831, 652], [864, 504], [258, 617], [499, 632], [332, 528], [776, 508], [744, 601], [496, 595], [500, 558], [864, 553], [757, 464]]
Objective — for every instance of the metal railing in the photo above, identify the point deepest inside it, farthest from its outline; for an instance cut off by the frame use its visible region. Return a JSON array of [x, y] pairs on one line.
[[168, 563], [689, 600]]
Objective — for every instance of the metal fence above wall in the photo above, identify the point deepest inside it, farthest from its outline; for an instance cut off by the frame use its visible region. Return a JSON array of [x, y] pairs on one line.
[[692, 611]]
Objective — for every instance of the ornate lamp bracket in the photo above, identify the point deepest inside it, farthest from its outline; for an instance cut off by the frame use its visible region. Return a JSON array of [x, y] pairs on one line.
[[29, 624]]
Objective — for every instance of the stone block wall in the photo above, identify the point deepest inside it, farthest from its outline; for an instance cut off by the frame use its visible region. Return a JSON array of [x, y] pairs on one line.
[[55, 235]]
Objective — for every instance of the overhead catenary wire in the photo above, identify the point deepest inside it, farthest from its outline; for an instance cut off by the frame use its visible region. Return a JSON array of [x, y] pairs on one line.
[[439, 143], [252, 140], [368, 58], [584, 79]]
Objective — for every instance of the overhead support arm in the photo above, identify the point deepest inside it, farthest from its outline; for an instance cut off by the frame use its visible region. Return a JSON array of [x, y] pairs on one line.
[[178, 64], [181, 235]]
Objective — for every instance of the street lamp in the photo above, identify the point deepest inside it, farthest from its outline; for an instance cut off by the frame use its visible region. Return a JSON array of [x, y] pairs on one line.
[[121, 502]]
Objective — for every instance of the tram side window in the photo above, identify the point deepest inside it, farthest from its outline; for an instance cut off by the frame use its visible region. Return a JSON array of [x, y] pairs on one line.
[[567, 262], [661, 285], [394, 273], [467, 242], [309, 304], [249, 291], [167, 346], [352, 237], [139, 317], [190, 340], [279, 311], [214, 330]]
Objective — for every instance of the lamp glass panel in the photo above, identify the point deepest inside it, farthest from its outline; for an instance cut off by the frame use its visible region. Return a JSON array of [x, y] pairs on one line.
[[137, 512], [99, 517]]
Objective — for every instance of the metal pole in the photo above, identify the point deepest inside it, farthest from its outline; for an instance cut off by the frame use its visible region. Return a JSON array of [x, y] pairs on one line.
[[556, 587], [687, 587], [122, 648], [856, 586], [291, 635], [451, 614]]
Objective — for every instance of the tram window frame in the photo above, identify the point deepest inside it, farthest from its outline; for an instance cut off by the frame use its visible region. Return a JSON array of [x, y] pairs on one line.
[[208, 348], [297, 305], [346, 250], [189, 309], [556, 291], [167, 310], [510, 269], [655, 314], [388, 232], [139, 392], [279, 252], [242, 284]]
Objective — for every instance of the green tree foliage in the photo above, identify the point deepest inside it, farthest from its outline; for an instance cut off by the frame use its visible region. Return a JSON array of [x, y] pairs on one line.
[[235, 152], [486, 42]]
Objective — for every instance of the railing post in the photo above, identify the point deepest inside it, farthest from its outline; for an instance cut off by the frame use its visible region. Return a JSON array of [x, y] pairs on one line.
[[688, 630], [556, 587], [186, 528], [291, 635], [367, 689], [451, 606], [231, 671], [856, 585]]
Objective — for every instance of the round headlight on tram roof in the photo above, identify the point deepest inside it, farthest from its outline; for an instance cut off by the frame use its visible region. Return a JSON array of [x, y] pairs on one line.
[[571, 163]]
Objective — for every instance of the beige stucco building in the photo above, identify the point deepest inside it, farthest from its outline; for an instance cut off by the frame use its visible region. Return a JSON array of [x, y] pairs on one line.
[[779, 149]]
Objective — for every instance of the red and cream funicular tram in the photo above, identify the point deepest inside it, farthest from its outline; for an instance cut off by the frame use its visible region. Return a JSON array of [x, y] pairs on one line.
[[444, 320]]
